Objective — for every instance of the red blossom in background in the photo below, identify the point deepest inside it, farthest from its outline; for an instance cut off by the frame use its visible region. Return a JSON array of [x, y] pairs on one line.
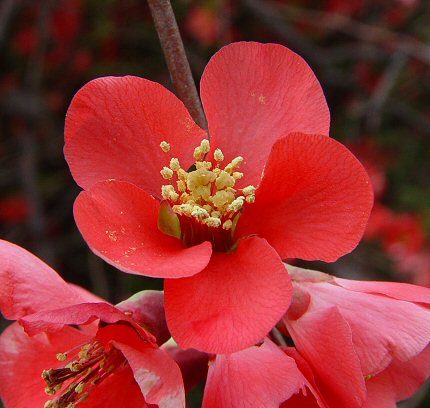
[[367, 342], [312, 202], [113, 363]]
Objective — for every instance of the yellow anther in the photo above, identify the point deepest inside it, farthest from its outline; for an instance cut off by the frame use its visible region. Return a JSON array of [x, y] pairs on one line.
[[198, 153], [181, 185], [185, 209], [212, 222], [249, 190], [222, 198], [61, 356], [199, 213], [174, 164], [234, 164], [205, 145], [50, 390], [208, 208], [203, 192], [49, 404], [218, 155], [200, 177], [250, 199], [182, 174], [224, 180], [80, 387], [237, 175], [227, 224], [203, 165], [236, 205], [165, 147], [168, 192], [215, 214], [166, 173]]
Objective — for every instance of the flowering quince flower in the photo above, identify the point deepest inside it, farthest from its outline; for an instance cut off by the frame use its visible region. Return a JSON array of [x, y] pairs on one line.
[[366, 342], [262, 376], [200, 223], [113, 363]]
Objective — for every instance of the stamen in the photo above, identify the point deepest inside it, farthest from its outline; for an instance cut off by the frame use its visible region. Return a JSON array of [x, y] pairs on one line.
[[218, 155], [165, 147], [94, 362], [174, 164], [205, 203], [167, 173]]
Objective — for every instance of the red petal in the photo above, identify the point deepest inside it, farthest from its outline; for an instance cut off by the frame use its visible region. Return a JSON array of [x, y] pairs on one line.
[[54, 320], [260, 376], [114, 127], [23, 358], [325, 340], [400, 291], [158, 376], [313, 202], [399, 381], [231, 304], [147, 308], [254, 94], [28, 285], [310, 397], [193, 364], [382, 327], [119, 222]]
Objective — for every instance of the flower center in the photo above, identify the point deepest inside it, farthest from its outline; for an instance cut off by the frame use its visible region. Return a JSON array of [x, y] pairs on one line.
[[205, 203], [73, 383]]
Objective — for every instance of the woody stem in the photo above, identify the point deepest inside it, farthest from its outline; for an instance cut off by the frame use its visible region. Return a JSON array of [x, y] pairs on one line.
[[177, 62]]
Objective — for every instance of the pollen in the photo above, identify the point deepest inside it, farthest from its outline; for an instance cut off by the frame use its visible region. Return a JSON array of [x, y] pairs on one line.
[[74, 382], [165, 147], [206, 198]]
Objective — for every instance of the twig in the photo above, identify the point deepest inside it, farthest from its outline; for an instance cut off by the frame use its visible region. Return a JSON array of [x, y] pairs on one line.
[[382, 92], [361, 31], [174, 52], [6, 11]]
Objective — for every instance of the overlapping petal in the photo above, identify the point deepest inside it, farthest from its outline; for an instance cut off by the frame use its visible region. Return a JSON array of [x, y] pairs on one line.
[[158, 376], [325, 340], [54, 320], [114, 127], [119, 222], [315, 197], [231, 304], [258, 377], [400, 380], [28, 285], [254, 94], [382, 327]]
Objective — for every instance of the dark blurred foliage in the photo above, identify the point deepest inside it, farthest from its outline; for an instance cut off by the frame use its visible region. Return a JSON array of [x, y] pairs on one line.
[[372, 58]]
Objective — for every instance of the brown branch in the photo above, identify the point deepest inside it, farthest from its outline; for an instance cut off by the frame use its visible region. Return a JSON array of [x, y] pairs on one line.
[[174, 52]]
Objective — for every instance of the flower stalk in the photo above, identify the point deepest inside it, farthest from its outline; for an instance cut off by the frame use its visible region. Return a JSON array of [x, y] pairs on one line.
[[177, 62]]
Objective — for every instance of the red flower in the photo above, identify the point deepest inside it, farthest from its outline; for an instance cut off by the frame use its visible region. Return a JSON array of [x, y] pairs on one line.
[[369, 340], [226, 285], [115, 363]]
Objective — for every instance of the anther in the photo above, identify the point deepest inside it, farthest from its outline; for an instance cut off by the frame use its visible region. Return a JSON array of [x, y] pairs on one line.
[[167, 173], [174, 164], [218, 155], [236, 205], [165, 147]]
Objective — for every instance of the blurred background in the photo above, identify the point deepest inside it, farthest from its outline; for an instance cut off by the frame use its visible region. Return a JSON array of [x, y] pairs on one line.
[[371, 57]]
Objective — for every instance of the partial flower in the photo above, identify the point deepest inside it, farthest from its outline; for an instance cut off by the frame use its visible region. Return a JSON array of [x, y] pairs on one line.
[[161, 200], [70, 348], [257, 377], [366, 342]]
